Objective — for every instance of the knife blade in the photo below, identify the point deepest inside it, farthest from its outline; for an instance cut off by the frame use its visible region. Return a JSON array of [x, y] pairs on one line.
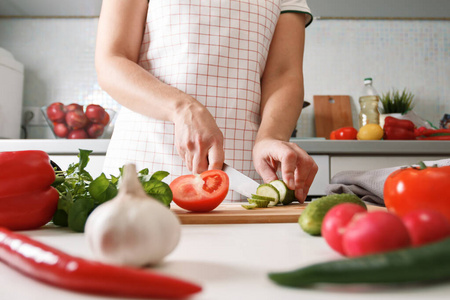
[[239, 182]]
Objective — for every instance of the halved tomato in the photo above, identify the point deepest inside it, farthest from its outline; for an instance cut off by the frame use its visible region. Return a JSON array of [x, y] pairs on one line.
[[200, 193]]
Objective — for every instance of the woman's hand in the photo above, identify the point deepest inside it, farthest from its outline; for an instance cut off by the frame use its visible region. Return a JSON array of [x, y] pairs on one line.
[[198, 140], [297, 167]]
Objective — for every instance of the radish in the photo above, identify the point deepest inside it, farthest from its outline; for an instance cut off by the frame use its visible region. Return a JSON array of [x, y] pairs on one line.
[[426, 226], [375, 232], [336, 221]]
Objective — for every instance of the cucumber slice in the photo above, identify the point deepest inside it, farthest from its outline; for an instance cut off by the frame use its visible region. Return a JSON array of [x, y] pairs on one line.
[[261, 203], [269, 190], [286, 195], [249, 206], [254, 196]]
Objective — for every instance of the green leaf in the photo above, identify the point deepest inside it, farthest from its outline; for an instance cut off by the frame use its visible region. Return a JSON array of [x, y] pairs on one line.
[[158, 190], [144, 171], [79, 213], [159, 175], [84, 159], [60, 218], [101, 189]]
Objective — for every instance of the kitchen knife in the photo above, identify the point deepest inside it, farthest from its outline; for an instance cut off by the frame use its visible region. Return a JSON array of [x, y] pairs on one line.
[[239, 182]]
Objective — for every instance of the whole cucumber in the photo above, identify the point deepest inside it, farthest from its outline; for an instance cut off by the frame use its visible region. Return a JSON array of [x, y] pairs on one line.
[[311, 218], [422, 264]]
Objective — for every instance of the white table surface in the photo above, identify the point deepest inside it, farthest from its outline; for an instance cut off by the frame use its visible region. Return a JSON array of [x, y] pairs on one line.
[[229, 261]]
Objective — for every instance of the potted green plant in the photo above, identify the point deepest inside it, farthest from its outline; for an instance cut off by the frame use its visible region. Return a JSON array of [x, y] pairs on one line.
[[396, 104]]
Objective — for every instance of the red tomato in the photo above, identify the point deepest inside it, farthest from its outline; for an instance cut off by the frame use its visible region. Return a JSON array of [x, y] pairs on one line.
[[426, 226], [106, 119], [336, 221], [375, 232], [56, 112], [60, 130], [345, 133], [95, 113], [76, 119], [94, 130], [77, 134], [333, 135], [74, 106], [200, 193], [409, 189]]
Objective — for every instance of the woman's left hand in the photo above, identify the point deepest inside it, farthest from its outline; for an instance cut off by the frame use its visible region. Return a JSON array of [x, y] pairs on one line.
[[298, 169]]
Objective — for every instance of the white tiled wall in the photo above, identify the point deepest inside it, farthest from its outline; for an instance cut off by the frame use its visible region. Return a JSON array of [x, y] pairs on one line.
[[58, 55]]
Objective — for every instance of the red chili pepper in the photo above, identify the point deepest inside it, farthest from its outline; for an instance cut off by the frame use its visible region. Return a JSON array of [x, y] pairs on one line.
[[396, 129], [57, 268], [436, 138], [27, 200]]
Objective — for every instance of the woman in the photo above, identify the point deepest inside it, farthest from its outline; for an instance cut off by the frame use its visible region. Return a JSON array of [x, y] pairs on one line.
[[206, 81]]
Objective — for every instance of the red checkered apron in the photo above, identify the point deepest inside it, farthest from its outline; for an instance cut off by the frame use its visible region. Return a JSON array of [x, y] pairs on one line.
[[215, 51]]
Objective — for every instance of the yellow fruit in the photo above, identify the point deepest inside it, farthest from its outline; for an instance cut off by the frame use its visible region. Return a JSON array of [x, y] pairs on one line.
[[370, 132]]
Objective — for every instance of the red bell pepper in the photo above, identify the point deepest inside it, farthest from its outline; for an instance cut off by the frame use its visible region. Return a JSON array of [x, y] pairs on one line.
[[54, 267], [397, 129], [27, 200]]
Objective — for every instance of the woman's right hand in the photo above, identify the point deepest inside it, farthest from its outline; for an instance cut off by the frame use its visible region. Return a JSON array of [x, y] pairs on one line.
[[198, 140]]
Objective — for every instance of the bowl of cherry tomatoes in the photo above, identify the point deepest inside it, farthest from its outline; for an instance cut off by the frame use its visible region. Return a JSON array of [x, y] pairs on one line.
[[75, 121]]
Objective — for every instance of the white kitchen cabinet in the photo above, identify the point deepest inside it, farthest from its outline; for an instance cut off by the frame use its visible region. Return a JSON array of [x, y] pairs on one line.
[[366, 163], [322, 177]]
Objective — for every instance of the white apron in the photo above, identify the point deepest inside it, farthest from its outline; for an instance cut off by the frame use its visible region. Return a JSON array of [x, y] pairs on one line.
[[215, 51]]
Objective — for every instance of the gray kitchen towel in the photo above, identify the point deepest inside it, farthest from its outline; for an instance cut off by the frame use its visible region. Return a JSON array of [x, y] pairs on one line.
[[368, 185]]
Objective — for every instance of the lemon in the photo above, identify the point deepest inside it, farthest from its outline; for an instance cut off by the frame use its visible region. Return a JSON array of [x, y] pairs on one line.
[[370, 132]]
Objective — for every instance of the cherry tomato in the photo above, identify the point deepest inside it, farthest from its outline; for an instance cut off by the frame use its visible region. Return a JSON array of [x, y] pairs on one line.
[[95, 113], [76, 119], [408, 189], [202, 192], [78, 134], [345, 133], [56, 112], [95, 130], [60, 130]]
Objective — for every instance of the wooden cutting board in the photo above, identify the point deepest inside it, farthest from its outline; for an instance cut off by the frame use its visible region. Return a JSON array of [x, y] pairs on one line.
[[236, 214], [331, 112]]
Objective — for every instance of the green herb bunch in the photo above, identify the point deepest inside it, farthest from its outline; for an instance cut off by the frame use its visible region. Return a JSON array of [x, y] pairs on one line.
[[80, 194], [397, 102]]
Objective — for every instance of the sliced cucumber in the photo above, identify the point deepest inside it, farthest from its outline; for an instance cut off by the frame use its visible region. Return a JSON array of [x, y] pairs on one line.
[[249, 206], [269, 190], [261, 203], [254, 196], [286, 195]]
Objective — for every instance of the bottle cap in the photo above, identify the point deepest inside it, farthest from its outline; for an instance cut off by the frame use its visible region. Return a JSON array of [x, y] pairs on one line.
[[367, 80]]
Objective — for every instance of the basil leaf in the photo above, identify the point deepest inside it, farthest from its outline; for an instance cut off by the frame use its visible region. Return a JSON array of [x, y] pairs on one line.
[[79, 212], [159, 175], [84, 159], [60, 218], [101, 189], [158, 190]]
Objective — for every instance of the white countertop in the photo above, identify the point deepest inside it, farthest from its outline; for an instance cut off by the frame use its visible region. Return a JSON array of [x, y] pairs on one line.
[[229, 261], [312, 146]]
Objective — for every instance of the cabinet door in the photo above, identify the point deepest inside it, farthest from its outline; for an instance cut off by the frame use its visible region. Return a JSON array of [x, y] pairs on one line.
[[94, 166], [366, 163], [322, 178]]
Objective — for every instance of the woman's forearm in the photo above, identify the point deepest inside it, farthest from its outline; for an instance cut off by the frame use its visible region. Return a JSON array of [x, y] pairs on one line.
[[281, 107]]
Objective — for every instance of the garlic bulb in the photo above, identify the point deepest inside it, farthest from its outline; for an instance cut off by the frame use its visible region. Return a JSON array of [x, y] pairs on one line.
[[132, 229]]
